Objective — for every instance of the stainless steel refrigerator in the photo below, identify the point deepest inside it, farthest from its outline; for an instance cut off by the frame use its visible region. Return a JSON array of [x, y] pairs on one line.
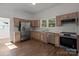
[[25, 31]]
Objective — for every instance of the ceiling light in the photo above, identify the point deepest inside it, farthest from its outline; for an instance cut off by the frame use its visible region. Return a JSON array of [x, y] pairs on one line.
[[34, 3]]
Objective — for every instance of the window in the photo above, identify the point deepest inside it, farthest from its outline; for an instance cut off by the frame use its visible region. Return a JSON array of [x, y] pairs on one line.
[[44, 23], [51, 22], [48, 23], [1, 25]]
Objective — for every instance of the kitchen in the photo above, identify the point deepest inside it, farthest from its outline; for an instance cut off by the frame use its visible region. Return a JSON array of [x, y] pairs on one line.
[[50, 28], [43, 32]]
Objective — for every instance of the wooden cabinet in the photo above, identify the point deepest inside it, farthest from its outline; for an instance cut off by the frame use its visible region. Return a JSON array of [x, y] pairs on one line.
[[32, 23], [78, 19], [17, 37], [35, 35], [41, 36], [44, 37], [66, 17], [57, 39], [69, 16], [16, 21], [58, 20], [35, 23]]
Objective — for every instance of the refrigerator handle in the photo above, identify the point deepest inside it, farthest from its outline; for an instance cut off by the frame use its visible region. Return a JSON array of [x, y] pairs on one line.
[[19, 29]]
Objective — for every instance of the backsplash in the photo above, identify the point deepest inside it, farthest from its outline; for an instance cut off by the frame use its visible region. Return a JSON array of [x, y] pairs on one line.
[[54, 29], [69, 27], [64, 28]]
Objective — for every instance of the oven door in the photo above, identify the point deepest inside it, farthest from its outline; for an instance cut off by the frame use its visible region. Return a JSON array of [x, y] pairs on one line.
[[68, 42]]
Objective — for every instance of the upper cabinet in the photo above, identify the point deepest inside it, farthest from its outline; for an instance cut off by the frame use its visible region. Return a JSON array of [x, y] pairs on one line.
[[66, 17], [16, 22], [58, 20], [35, 23], [78, 19]]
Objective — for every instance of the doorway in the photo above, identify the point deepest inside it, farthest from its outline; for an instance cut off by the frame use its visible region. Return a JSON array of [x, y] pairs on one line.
[[4, 30]]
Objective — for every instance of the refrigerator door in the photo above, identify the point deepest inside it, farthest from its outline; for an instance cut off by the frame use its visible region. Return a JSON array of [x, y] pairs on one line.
[[25, 31]]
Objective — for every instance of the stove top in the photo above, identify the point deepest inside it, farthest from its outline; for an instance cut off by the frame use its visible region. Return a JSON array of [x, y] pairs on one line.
[[68, 34]]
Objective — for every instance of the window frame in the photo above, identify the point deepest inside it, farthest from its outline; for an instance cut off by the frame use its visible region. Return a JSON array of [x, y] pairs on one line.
[[47, 22]]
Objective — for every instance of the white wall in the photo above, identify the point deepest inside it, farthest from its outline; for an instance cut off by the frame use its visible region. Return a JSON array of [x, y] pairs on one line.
[[60, 10], [6, 13], [70, 27]]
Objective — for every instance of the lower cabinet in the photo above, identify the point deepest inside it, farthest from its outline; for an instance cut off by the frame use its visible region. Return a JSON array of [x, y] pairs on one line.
[[46, 37], [41, 36], [17, 37], [57, 39]]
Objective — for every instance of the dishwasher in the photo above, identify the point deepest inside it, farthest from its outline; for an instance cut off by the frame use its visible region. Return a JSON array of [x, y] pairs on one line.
[[51, 38]]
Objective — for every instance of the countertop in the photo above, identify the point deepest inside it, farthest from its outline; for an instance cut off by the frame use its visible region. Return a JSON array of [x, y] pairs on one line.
[[44, 31]]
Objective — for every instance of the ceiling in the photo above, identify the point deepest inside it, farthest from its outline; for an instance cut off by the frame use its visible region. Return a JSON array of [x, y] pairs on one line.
[[28, 7]]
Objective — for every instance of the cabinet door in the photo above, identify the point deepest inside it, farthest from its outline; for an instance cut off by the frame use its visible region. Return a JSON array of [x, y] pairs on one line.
[[72, 15], [36, 23], [17, 37], [16, 22], [66, 17], [78, 19], [38, 35], [69, 16], [58, 20], [33, 35], [57, 40], [32, 23], [44, 37]]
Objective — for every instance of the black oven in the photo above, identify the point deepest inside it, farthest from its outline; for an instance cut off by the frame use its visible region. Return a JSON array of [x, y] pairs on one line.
[[68, 40]]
